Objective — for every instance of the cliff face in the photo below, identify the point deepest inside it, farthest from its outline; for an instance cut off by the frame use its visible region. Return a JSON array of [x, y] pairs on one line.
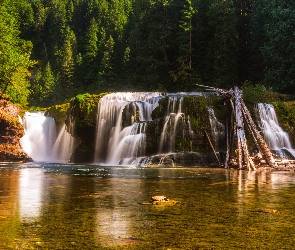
[[11, 131]]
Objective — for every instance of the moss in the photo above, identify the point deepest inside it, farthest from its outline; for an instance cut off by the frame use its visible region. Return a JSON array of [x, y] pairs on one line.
[[253, 94], [191, 126], [84, 108], [58, 112], [286, 116]]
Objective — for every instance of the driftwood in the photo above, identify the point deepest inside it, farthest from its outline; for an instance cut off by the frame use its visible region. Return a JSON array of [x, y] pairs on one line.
[[242, 116], [227, 145], [215, 153], [242, 148], [258, 139]]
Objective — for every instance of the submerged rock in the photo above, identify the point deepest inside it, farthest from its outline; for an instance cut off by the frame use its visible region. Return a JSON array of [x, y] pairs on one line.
[[160, 200]]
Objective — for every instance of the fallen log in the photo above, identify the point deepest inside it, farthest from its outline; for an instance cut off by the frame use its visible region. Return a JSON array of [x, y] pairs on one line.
[[258, 138], [242, 148], [215, 153], [242, 115]]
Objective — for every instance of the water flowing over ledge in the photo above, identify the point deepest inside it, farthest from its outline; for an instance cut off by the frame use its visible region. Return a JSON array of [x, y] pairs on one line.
[[150, 129], [122, 120], [43, 141], [277, 139]]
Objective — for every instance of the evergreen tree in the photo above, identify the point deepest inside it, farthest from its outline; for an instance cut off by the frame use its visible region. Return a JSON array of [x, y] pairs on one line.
[[66, 59], [245, 60], [224, 44], [91, 48], [276, 44], [42, 87], [106, 74], [184, 71]]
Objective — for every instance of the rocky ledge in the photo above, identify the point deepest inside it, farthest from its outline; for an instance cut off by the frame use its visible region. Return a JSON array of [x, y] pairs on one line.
[[11, 131]]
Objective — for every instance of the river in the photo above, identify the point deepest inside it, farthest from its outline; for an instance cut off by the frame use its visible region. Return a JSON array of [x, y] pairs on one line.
[[54, 206]]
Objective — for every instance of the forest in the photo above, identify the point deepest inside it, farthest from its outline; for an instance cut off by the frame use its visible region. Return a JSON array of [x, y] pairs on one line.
[[52, 50]]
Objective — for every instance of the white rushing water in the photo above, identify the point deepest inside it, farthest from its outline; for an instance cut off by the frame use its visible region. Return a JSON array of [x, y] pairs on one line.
[[217, 128], [42, 142], [174, 114], [118, 143], [276, 138]]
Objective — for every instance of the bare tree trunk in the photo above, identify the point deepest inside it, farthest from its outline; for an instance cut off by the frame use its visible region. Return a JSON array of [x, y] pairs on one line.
[[213, 149], [227, 145], [262, 146], [243, 153], [241, 114]]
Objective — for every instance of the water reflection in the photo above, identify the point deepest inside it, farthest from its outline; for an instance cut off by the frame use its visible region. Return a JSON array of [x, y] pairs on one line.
[[8, 192], [272, 179], [94, 207], [114, 220], [30, 192]]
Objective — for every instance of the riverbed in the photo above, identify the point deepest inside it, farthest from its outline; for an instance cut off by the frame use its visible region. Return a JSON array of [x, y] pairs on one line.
[[53, 206]]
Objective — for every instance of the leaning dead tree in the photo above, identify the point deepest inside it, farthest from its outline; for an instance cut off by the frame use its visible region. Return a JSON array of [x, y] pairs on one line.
[[242, 116]]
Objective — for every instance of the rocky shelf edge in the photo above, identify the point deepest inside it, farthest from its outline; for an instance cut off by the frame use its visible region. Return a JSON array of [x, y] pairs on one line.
[[11, 131]]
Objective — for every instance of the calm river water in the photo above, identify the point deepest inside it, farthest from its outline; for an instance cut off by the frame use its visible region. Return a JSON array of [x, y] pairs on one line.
[[50, 206]]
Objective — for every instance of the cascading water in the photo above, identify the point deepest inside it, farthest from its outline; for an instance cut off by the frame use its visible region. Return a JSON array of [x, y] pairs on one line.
[[42, 142], [276, 138], [118, 144], [121, 126], [217, 128], [174, 114]]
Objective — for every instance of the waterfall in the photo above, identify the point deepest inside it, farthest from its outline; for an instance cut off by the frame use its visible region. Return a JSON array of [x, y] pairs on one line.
[[217, 128], [276, 138], [118, 143], [42, 142], [121, 126], [174, 114]]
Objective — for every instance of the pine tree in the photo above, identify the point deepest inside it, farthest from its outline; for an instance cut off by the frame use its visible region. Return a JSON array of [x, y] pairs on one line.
[[184, 71], [106, 74], [224, 44], [66, 56]]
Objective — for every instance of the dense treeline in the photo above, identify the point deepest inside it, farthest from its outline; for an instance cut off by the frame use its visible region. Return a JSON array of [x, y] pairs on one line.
[[74, 46]]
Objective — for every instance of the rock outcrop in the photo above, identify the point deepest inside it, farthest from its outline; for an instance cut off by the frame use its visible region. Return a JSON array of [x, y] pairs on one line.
[[11, 131]]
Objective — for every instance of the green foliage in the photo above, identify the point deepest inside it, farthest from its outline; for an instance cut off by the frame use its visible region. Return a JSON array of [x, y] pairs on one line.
[[92, 40], [167, 45], [84, 109], [275, 20], [286, 115], [58, 112], [14, 55], [253, 94], [223, 46], [42, 87]]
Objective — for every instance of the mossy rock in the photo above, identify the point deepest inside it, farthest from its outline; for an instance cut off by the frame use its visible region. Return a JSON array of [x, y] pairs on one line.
[[190, 129], [81, 110], [84, 108], [285, 112], [58, 112], [161, 203]]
